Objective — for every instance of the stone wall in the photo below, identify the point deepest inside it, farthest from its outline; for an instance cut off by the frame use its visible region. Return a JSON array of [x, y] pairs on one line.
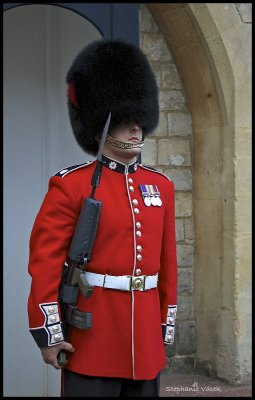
[[210, 164], [169, 150]]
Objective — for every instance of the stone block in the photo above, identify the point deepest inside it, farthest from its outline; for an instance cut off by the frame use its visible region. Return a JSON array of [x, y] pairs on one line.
[[179, 124], [189, 230], [172, 100], [147, 23], [185, 281], [156, 68], [186, 341], [154, 46], [184, 307], [181, 363], [174, 152], [184, 255], [170, 77], [183, 204], [149, 152], [162, 128], [182, 178], [179, 228]]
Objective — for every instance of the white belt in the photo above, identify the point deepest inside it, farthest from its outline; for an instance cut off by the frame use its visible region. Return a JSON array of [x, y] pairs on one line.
[[123, 282]]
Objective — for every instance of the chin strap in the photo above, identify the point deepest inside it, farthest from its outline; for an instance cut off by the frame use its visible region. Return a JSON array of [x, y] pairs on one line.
[[123, 145]]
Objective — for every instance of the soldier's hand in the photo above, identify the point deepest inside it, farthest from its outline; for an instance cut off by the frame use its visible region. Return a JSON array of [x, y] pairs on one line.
[[50, 353]]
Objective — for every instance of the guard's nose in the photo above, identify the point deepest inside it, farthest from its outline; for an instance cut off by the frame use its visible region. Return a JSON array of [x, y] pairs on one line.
[[135, 129]]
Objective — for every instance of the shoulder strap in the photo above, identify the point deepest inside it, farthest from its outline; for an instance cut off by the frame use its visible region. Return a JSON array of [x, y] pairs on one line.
[[67, 170]]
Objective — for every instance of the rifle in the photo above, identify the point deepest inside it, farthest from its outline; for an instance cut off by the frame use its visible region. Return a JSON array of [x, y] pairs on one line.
[[73, 276]]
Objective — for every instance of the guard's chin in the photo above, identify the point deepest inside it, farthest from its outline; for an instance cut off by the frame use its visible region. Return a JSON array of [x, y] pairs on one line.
[[132, 152]]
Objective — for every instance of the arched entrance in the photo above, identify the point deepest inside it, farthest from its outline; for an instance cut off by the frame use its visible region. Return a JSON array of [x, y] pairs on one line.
[[220, 285]]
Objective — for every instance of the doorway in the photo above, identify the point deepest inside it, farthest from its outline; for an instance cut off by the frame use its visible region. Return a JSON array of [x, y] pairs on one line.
[[40, 42]]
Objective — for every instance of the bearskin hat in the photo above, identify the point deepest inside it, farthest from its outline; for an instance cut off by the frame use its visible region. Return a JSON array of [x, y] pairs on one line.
[[110, 76]]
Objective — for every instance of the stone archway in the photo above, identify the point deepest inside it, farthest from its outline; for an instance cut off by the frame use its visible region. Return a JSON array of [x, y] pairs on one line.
[[203, 63]]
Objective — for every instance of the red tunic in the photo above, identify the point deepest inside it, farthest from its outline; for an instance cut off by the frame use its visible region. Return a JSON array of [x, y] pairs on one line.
[[132, 239]]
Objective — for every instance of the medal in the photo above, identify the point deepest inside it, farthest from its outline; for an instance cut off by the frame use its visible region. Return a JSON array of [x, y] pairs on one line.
[[159, 202], [146, 195], [154, 201], [147, 201], [158, 199]]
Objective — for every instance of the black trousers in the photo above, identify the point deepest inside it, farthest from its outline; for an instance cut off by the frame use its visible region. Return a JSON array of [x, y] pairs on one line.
[[77, 385]]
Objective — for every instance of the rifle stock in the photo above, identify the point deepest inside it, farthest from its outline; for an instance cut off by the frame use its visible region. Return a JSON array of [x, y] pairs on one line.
[[73, 276]]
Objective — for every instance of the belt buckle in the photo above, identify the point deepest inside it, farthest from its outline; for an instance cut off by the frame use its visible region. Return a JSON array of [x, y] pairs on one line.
[[138, 283]]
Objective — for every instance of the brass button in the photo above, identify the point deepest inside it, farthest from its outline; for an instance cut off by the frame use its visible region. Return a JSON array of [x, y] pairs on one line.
[[136, 211], [131, 188], [139, 248], [130, 180], [57, 337], [139, 257], [135, 202], [138, 225], [51, 309], [53, 318], [138, 233], [55, 328], [138, 271], [170, 332]]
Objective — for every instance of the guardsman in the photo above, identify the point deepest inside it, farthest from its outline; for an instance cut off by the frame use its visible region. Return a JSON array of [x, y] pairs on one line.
[[133, 265]]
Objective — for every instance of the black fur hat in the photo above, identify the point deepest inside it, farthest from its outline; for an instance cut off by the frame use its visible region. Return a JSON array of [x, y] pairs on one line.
[[110, 76]]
